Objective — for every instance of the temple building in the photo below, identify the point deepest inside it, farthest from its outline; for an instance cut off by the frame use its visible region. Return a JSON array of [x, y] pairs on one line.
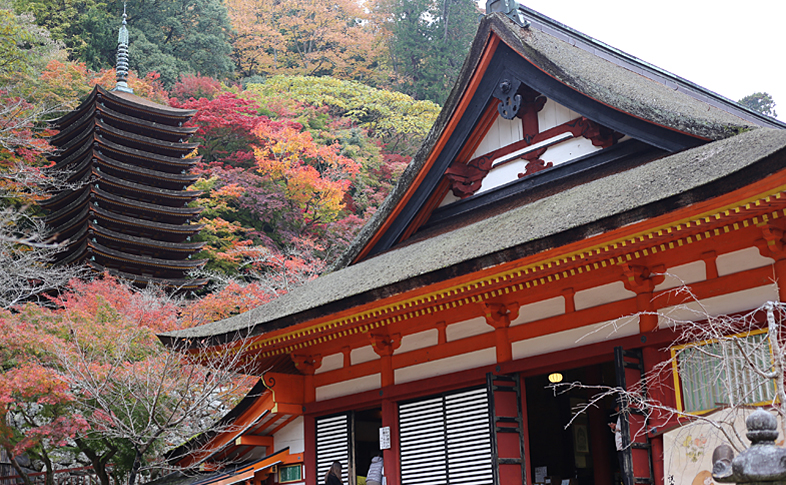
[[564, 192], [127, 161]]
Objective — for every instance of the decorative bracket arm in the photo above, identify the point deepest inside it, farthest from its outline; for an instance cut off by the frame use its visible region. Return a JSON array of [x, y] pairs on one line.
[[499, 315], [771, 245], [639, 279], [509, 99], [385, 345], [307, 364]]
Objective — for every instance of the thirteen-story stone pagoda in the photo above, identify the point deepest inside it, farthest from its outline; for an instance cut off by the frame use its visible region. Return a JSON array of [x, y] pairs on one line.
[[130, 160]]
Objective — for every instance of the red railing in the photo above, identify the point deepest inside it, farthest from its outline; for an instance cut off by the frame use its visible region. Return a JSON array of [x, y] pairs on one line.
[[68, 476]]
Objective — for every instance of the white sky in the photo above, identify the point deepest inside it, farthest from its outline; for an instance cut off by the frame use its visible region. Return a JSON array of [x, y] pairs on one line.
[[732, 48]]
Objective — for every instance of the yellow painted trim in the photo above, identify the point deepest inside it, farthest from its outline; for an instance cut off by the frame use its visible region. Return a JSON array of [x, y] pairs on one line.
[[678, 381], [537, 267]]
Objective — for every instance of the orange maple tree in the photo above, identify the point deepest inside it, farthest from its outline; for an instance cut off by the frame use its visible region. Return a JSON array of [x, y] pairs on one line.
[[305, 37]]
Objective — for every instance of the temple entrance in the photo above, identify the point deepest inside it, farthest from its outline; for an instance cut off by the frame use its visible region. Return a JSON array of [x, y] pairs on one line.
[[366, 438], [582, 454]]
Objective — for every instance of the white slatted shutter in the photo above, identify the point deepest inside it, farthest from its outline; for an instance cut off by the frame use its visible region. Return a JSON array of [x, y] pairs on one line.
[[446, 440], [333, 437]]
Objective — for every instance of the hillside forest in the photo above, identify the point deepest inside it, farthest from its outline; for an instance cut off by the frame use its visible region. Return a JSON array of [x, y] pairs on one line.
[[307, 113]]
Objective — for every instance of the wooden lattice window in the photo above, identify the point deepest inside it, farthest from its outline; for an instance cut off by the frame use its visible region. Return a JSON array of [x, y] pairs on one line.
[[717, 373]]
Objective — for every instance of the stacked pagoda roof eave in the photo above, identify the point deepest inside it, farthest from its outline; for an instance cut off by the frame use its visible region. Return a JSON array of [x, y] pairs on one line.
[[189, 212], [173, 247], [181, 284], [146, 261], [131, 217], [147, 173], [127, 100]]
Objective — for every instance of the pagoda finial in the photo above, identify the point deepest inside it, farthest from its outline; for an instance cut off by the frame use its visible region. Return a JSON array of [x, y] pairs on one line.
[[122, 57]]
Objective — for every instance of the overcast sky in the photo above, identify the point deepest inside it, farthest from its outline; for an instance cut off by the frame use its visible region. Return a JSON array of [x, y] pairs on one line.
[[734, 49]]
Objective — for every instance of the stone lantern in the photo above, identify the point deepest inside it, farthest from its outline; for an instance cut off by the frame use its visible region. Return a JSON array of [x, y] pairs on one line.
[[762, 463]]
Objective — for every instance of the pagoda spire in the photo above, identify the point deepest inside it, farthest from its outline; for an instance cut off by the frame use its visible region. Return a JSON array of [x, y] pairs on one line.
[[122, 57]]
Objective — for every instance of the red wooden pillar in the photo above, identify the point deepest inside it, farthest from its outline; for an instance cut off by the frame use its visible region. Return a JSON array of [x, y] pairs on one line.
[[390, 456], [598, 431], [384, 345], [771, 246], [499, 316], [310, 455], [640, 280], [525, 429], [307, 364]]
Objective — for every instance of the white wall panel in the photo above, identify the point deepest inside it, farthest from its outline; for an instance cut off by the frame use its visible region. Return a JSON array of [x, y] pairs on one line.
[[418, 340], [346, 388], [448, 365], [502, 175], [362, 354], [502, 133], [683, 275], [467, 328], [739, 301], [576, 337], [291, 435], [569, 150], [741, 260], [540, 310], [331, 362], [554, 114], [601, 294]]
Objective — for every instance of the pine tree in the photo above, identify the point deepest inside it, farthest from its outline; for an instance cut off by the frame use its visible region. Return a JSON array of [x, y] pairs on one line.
[[429, 41]]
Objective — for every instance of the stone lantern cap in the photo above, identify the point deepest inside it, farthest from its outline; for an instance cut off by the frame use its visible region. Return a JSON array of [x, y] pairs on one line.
[[762, 463]]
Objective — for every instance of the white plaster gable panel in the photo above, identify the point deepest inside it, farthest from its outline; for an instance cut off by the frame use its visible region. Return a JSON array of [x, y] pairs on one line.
[[577, 337], [503, 174], [739, 301], [448, 365], [449, 199], [467, 328], [539, 310], [683, 275], [291, 435], [502, 133], [600, 295], [346, 388], [362, 354], [569, 150], [554, 114], [331, 362], [418, 340], [741, 260]]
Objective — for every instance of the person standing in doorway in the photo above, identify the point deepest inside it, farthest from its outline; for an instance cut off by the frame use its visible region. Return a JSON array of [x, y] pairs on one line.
[[375, 471], [616, 428], [333, 475]]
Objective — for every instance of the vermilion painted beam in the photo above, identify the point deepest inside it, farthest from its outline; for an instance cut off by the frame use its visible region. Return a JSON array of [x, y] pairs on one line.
[[609, 311], [753, 210], [246, 440]]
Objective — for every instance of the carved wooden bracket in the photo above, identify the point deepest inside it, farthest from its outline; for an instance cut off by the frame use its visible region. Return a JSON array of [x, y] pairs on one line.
[[771, 245], [509, 99], [466, 178], [384, 344], [306, 364], [499, 315], [639, 279]]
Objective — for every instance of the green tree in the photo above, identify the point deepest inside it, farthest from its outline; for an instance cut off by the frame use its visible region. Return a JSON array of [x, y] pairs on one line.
[[171, 37], [761, 102], [429, 40], [25, 48]]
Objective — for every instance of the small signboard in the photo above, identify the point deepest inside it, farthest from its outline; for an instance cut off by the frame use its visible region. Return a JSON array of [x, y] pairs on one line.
[[384, 438], [288, 474]]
